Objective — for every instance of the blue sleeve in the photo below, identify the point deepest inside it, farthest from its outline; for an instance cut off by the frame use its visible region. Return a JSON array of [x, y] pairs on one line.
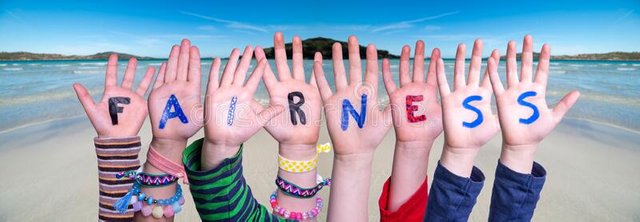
[[514, 194], [452, 197]]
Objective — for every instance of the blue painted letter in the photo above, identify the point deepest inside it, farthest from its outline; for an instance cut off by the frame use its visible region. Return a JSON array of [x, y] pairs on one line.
[[466, 105], [177, 112], [536, 113], [347, 109]]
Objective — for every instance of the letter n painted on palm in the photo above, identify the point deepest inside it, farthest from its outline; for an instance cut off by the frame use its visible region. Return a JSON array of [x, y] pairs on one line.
[[347, 109]]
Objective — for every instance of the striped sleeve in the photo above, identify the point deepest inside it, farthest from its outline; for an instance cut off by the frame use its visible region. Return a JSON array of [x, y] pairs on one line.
[[222, 194], [115, 155]]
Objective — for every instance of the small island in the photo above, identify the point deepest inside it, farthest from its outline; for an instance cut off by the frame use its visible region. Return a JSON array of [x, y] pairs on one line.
[[27, 56], [324, 46]]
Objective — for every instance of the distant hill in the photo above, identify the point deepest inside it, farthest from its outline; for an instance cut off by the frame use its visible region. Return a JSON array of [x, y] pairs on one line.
[[613, 56], [44, 56], [324, 46]]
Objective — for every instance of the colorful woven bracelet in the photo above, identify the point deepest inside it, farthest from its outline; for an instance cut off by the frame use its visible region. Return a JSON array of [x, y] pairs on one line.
[[293, 190], [273, 199], [149, 180], [302, 166], [148, 205]]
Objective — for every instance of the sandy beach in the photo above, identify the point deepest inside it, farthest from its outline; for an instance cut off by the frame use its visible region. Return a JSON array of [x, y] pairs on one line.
[[49, 172]]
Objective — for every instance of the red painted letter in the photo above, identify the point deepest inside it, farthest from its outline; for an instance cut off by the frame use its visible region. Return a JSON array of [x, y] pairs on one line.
[[412, 108]]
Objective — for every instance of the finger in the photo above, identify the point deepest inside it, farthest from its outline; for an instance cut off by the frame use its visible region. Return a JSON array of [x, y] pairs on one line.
[[371, 76], [213, 82], [183, 60], [160, 77], [281, 57], [243, 67], [542, 72], [476, 64], [512, 74], [389, 85], [443, 85], [431, 74], [418, 62], [298, 68], [268, 76], [527, 59], [458, 68], [268, 113], [565, 104], [340, 77], [492, 68], [323, 85], [172, 64], [313, 81], [355, 66], [486, 80], [110, 78], [256, 75], [129, 73], [84, 97], [405, 78], [146, 80], [195, 66], [230, 68]]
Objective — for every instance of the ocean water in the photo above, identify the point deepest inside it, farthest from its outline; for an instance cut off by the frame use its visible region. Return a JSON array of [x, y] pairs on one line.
[[32, 92]]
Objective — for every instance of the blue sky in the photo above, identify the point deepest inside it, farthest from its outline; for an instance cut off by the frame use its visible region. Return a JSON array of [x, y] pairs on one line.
[[149, 28]]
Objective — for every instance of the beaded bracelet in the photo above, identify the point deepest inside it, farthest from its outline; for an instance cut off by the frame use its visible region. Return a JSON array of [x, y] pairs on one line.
[[273, 199], [155, 207], [302, 166], [150, 180], [293, 190]]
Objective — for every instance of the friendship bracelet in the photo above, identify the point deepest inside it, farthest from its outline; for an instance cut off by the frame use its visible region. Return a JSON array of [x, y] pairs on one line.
[[273, 199], [146, 179], [165, 165], [148, 205], [293, 190], [302, 166]]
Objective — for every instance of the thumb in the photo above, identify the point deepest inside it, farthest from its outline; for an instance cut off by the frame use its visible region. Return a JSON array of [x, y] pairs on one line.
[[84, 97], [565, 104], [268, 113]]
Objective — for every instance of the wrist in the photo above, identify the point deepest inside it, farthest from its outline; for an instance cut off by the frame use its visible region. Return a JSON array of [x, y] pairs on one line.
[[353, 162], [298, 151], [518, 158], [214, 153], [169, 148], [459, 160]]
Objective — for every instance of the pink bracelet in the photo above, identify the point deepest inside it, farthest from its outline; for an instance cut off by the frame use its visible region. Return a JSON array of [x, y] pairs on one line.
[[273, 199], [165, 165]]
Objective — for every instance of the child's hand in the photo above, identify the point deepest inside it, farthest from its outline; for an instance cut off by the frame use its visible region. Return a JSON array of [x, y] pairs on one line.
[[174, 103], [232, 115], [300, 126], [356, 123], [417, 116], [121, 111], [468, 121], [525, 118]]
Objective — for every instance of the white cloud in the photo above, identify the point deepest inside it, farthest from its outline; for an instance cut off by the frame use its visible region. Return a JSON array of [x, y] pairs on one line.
[[228, 23], [410, 23]]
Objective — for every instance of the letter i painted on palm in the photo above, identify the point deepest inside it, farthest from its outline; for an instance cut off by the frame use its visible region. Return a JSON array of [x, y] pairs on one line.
[[168, 114], [232, 111], [411, 109], [466, 105], [347, 109]]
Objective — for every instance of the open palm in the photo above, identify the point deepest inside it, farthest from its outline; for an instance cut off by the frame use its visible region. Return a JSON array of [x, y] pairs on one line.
[[301, 128], [133, 106], [424, 123], [468, 120], [233, 116], [353, 138], [524, 115], [177, 91]]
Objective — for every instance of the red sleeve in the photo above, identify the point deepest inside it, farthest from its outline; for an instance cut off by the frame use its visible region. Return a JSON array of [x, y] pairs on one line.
[[412, 210]]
